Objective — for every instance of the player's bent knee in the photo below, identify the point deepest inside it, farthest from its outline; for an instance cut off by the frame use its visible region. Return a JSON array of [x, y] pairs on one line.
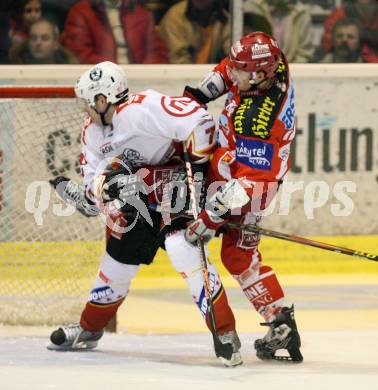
[[184, 257], [112, 282]]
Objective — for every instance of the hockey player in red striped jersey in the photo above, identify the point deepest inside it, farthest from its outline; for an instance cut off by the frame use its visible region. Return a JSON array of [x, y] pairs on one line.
[[256, 128]]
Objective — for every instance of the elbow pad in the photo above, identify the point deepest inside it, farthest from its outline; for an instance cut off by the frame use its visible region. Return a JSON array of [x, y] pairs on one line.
[[212, 86], [209, 88]]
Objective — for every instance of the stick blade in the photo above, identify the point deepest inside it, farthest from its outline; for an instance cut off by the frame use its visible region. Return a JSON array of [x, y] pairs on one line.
[[222, 350]]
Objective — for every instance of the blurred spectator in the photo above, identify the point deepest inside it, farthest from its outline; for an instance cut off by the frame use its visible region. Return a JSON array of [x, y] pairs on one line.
[[366, 12], [4, 31], [41, 47], [23, 14], [120, 31], [345, 42], [158, 7], [289, 23], [253, 22], [196, 31], [56, 11]]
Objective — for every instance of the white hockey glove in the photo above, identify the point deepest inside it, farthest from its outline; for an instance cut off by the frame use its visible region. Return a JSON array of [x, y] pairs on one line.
[[74, 195]]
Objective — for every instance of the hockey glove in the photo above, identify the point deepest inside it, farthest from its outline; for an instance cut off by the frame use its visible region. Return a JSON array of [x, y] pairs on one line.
[[130, 192], [204, 228], [230, 196], [74, 195], [121, 184]]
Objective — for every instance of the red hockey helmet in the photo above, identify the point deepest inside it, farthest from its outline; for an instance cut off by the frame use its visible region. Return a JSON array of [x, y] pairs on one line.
[[254, 52]]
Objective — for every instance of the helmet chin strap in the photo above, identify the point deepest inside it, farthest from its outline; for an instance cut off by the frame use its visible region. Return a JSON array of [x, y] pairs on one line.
[[254, 86], [102, 115]]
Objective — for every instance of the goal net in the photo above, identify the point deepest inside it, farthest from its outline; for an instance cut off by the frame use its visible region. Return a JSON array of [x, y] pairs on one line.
[[48, 253]]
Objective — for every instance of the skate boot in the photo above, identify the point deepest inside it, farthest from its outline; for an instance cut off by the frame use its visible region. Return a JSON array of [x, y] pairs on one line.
[[72, 338], [233, 339], [283, 334]]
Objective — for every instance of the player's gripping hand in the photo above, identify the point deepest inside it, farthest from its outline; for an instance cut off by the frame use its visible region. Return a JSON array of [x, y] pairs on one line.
[[209, 220], [117, 184], [201, 228], [230, 196], [127, 190]]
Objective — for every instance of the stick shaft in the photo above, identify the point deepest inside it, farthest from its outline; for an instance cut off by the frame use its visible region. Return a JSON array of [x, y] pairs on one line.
[[224, 350], [304, 241]]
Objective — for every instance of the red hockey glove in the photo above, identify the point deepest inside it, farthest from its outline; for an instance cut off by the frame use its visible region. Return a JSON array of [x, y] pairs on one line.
[[204, 227]]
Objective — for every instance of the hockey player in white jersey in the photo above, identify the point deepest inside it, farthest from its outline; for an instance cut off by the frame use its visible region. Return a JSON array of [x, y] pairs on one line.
[[140, 130]]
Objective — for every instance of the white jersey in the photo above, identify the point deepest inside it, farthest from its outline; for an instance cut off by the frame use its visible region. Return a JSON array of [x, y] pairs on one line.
[[144, 131]]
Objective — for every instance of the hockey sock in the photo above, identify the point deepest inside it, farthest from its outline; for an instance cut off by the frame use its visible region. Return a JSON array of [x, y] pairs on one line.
[[110, 288], [263, 291], [95, 317]]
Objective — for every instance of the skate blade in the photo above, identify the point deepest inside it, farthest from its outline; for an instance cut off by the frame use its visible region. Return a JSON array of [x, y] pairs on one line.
[[83, 346], [293, 359], [236, 360]]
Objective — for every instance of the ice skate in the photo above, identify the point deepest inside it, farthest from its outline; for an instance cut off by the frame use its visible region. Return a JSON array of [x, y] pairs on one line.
[[233, 339], [72, 338], [283, 334]]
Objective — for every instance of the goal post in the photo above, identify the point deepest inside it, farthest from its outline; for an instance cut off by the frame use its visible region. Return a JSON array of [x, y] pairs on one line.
[[49, 254]]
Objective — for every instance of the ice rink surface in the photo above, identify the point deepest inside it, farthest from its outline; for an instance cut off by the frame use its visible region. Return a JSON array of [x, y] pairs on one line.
[[345, 360], [338, 326]]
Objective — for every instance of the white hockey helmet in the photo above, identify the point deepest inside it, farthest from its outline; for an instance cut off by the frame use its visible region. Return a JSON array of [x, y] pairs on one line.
[[105, 78]]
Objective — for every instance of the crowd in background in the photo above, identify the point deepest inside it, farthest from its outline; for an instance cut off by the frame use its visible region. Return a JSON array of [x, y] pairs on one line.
[[182, 31]]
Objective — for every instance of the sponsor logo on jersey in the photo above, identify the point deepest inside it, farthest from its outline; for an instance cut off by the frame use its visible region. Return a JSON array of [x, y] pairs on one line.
[[95, 74], [260, 127], [260, 51], [254, 118], [100, 293], [106, 148], [132, 156], [287, 115], [255, 154], [282, 69], [240, 115]]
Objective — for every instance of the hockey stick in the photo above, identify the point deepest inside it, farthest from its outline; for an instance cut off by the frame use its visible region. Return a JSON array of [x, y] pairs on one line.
[[303, 241], [221, 350]]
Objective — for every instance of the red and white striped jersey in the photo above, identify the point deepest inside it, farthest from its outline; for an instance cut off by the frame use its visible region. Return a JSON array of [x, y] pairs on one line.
[[255, 130]]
